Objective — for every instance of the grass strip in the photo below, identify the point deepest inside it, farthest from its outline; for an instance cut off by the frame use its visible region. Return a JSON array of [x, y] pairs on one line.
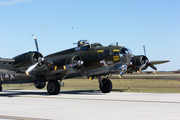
[[149, 85]]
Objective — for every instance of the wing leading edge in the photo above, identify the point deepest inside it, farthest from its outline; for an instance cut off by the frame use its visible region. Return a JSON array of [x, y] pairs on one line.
[[6, 60], [159, 62]]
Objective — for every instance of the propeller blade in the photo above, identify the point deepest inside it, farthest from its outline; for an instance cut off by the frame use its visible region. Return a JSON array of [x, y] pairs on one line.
[[147, 63], [121, 74], [31, 68], [144, 49], [36, 44], [37, 48], [123, 70], [143, 66], [152, 66]]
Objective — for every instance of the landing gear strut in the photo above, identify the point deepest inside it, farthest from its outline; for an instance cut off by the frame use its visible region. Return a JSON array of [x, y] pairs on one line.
[[105, 85], [53, 87]]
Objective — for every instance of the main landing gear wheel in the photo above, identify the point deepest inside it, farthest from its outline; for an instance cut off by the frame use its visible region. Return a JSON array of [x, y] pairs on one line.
[[0, 88], [53, 87], [107, 86]]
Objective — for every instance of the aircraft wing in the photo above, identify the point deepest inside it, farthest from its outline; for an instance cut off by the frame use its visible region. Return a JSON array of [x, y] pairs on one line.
[[159, 62], [6, 60]]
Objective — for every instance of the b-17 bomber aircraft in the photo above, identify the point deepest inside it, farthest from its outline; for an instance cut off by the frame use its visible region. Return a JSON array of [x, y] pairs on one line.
[[91, 60]]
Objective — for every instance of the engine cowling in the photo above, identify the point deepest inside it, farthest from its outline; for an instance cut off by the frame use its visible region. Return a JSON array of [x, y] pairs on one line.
[[26, 59], [137, 61], [71, 64]]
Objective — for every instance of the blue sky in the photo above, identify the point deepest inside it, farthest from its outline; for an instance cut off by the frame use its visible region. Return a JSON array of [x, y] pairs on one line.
[[156, 23]]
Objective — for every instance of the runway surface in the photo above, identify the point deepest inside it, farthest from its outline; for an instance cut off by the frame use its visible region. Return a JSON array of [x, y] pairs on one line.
[[88, 105]]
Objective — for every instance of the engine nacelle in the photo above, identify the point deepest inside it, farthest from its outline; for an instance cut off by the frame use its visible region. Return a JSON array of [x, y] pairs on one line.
[[139, 60], [70, 60], [26, 59]]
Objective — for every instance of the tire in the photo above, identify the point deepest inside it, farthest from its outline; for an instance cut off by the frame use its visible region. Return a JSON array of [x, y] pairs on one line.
[[39, 85], [107, 86], [0, 88], [53, 87]]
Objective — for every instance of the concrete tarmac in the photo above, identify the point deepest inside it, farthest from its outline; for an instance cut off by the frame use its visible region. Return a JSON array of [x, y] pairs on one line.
[[88, 105]]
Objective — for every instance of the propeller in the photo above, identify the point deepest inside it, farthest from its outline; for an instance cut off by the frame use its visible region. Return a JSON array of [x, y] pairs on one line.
[[147, 62], [77, 63], [40, 60]]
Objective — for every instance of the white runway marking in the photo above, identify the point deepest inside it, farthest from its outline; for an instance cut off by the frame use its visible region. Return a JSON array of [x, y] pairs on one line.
[[89, 105]]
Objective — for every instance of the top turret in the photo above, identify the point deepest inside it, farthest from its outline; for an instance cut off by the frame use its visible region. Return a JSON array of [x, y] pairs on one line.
[[84, 42]]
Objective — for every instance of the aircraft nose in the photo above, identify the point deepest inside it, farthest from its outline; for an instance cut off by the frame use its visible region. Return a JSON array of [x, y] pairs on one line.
[[125, 55]]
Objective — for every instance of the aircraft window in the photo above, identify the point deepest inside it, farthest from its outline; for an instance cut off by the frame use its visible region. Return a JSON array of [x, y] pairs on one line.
[[106, 52], [100, 55], [110, 52], [85, 48], [96, 46], [116, 53], [88, 47]]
